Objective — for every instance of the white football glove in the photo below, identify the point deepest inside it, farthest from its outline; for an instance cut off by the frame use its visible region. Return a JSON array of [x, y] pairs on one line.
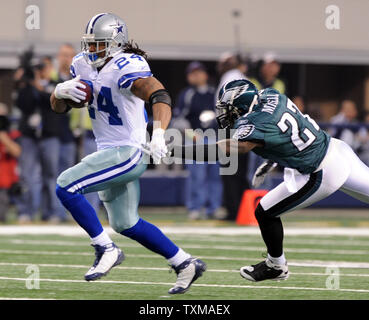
[[157, 146], [261, 172], [69, 90]]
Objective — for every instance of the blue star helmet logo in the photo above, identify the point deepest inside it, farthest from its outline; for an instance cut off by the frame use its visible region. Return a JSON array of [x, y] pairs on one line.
[[118, 26]]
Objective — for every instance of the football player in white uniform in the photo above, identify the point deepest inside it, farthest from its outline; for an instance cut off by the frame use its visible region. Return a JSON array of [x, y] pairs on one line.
[[121, 82]]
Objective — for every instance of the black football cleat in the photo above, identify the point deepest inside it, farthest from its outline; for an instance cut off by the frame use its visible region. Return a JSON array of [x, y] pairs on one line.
[[265, 270]]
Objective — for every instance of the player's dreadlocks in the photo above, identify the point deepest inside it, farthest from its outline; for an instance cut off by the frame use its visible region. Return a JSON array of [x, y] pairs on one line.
[[132, 47]]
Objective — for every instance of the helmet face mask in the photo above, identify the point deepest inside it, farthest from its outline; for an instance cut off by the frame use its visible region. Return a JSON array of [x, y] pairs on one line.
[[226, 115], [108, 33], [95, 58], [236, 98]]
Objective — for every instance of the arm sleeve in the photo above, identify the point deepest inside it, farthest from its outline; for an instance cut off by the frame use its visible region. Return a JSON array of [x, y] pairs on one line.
[[132, 67]]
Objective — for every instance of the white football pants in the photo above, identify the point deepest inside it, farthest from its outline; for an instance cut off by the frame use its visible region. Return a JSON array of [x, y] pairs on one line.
[[341, 169]]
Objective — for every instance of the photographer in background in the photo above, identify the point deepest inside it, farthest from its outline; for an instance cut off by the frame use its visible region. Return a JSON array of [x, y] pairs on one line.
[[41, 130], [348, 115], [10, 150], [267, 74]]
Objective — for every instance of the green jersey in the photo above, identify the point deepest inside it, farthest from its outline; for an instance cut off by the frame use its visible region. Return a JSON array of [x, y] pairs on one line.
[[290, 138]]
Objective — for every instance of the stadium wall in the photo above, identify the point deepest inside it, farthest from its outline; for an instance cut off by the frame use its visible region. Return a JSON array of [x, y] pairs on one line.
[[174, 29]]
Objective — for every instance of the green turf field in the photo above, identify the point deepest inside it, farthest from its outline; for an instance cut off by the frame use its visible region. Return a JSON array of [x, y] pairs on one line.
[[63, 260]]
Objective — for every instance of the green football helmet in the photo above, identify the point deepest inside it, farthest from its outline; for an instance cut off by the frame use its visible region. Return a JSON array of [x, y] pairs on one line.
[[235, 99]]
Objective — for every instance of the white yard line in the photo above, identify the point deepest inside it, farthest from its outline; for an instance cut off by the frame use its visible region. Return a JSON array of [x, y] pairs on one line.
[[77, 266], [290, 241], [214, 238], [194, 285], [194, 246], [76, 230], [294, 262]]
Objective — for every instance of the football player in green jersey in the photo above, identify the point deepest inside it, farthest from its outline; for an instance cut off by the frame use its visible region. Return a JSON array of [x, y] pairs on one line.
[[316, 165]]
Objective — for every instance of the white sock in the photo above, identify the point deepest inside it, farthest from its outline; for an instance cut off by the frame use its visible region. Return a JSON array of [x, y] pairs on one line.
[[279, 260], [102, 239], [178, 258]]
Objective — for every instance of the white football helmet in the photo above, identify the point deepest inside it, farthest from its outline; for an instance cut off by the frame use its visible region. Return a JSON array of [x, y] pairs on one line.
[[108, 32]]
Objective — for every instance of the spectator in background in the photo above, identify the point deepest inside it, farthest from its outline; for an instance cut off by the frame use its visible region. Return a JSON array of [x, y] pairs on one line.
[[68, 148], [10, 150], [204, 186], [27, 98], [267, 76], [232, 67], [347, 115], [43, 131]]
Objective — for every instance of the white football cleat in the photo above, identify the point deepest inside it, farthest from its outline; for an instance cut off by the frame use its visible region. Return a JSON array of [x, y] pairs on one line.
[[187, 272], [265, 270], [107, 257]]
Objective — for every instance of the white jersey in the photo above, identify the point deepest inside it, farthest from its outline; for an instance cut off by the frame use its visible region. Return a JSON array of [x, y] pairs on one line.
[[118, 117]]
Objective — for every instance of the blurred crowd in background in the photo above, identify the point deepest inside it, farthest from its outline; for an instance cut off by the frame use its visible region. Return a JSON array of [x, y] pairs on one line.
[[36, 144]]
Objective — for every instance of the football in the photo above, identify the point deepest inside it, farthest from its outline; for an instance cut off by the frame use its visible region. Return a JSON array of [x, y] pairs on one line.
[[81, 104]]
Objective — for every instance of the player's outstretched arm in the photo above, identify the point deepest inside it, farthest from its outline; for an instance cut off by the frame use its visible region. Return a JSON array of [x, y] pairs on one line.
[[231, 146], [211, 152]]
